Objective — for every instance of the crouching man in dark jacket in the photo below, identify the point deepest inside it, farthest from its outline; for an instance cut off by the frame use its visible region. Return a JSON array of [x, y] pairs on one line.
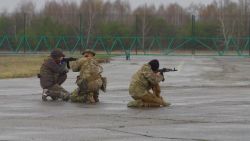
[[52, 74]]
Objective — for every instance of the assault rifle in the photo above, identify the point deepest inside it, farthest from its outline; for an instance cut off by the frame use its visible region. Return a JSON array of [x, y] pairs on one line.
[[67, 60], [163, 70]]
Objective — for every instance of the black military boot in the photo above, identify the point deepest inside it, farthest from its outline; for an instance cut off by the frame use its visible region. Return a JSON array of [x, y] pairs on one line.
[[96, 97], [66, 97], [54, 98], [104, 84]]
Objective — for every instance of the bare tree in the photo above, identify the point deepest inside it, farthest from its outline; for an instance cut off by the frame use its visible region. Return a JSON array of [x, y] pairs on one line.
[[144, 27], [91, 8], [143, 13], [227, 23]]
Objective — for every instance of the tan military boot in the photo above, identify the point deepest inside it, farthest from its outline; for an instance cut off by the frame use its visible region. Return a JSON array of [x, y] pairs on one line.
[[165, 104], [90, 98]]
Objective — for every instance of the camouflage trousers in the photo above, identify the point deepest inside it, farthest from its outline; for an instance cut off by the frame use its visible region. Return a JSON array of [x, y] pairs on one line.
[[57, 91], [87, 92], [149, 99], [89, 97]]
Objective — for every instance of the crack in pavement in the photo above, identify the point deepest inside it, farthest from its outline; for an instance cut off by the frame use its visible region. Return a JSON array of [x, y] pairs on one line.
[[151, 136], [206, 86], [176, 121], [169, 87]]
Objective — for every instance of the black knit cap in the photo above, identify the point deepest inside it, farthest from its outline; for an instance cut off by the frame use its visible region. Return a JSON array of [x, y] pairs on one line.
[[154, 64], [56, 54]]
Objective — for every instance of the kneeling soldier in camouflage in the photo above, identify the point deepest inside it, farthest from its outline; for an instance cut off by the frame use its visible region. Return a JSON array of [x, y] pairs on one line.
[[145, 79], [89, 81], [52, 75]]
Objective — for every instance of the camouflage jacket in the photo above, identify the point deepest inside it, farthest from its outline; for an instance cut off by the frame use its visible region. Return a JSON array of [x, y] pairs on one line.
[[143, 80], [50, 71], [89, 68]]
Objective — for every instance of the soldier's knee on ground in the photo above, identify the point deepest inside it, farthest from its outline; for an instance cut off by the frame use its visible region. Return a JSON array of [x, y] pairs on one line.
[[74, 97], [135, 103], [49, 93], [65, 96], [79, 99]]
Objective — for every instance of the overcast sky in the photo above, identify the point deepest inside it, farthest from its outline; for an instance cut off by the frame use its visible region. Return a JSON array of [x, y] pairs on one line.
[[10, 5]]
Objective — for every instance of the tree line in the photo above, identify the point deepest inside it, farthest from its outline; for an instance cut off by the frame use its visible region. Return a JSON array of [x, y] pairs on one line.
[[221, 18]]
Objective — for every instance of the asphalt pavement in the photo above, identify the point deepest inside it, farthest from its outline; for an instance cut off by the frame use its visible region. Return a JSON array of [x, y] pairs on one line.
[[209, 96]]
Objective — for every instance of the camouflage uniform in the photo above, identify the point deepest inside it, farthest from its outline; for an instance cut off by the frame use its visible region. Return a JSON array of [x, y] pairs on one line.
[[89, 81], [52, 75], [142, 82]]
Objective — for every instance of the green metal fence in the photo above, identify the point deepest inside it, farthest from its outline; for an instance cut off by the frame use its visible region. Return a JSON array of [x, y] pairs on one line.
[[166, 35], [131, 45]]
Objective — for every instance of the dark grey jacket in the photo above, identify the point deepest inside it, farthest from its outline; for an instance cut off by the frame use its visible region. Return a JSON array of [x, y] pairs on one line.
[[50, 71]]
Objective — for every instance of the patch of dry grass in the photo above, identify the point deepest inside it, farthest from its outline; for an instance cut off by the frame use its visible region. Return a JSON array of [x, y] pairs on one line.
[[20, 66]]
